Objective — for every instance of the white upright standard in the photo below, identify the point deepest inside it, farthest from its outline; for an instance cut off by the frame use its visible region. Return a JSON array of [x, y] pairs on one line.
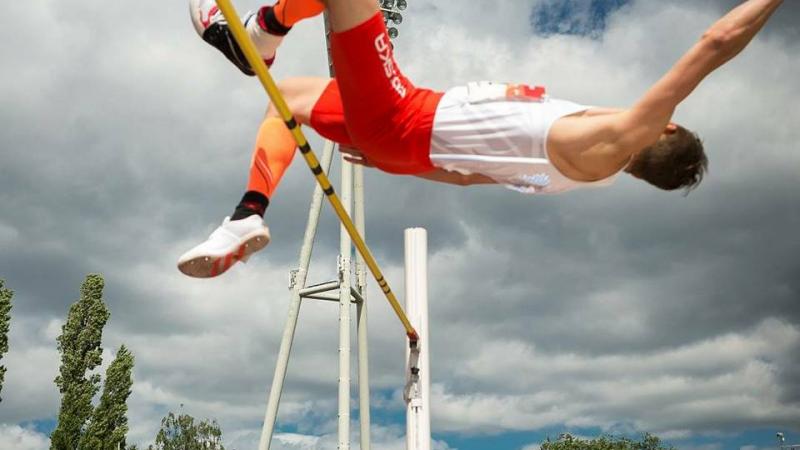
[[418, 378]]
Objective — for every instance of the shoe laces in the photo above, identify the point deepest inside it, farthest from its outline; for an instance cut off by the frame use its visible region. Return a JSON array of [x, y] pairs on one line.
[[221, 230], [215, 16]]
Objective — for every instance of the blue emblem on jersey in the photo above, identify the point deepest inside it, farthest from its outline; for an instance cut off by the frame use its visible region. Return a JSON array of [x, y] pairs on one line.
[[530, 184], [537, 180]]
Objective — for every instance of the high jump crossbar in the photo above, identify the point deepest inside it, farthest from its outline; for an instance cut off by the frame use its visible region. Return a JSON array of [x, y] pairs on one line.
[[260, 68]]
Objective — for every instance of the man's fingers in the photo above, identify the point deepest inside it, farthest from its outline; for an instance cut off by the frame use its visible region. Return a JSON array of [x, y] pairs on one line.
[[349, 150], [360, 160]]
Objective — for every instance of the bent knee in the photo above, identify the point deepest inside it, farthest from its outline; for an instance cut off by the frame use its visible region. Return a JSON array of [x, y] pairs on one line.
[[300, 95]]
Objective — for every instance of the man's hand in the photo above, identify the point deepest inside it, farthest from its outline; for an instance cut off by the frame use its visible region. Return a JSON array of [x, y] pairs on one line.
[[354, 156], [725, 39], [448, 177]]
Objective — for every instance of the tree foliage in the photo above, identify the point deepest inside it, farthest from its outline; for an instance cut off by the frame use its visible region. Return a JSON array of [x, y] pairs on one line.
[[5, 324], [182, 432], [81, 353], [567, 442], [109, 423]]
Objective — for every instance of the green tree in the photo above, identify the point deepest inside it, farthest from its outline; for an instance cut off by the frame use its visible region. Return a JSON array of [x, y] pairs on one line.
[[109, 423], [567, 442], [183, 433], [5, 324], [81, 353]]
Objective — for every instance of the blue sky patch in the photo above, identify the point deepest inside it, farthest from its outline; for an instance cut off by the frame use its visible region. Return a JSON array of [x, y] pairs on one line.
[[575, 17], [44, 426]]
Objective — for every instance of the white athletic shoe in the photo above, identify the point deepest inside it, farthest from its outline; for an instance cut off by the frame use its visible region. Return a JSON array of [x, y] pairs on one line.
[[211, 25], [234, 240]]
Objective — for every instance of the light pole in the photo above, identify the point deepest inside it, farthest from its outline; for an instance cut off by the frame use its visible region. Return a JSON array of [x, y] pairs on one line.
[[782, 445], [391, 14]]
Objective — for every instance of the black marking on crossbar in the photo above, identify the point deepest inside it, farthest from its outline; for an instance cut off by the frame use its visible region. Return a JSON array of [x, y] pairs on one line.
[[329, 191], [384, 286], [317, 170], [305, 148], [291, 123]]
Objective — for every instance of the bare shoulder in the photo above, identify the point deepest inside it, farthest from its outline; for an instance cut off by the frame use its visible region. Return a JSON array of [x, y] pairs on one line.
[[583, 132], [588, 147]]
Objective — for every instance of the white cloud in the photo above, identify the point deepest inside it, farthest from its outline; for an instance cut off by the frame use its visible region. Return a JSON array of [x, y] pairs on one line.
[[726, 377], [625, 306], [7, 234], [18, 438], [28, 390]]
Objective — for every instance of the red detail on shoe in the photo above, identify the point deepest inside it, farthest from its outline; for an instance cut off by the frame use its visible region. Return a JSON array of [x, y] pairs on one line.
[[240, 253], [228, 261], [269, 62], [215, 267], [206, 22]]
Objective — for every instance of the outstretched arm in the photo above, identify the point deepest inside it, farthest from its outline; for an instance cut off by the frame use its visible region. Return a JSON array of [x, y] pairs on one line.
[[354, 156], [644, 123]]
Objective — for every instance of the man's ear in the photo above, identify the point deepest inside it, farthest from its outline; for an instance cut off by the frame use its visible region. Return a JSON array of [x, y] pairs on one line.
[[671, 128]]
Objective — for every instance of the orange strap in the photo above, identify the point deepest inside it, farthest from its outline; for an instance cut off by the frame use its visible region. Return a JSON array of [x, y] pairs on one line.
[[289, 12]]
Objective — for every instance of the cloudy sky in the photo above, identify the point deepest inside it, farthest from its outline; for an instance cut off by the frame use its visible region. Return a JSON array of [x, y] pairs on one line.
[[124, 140]]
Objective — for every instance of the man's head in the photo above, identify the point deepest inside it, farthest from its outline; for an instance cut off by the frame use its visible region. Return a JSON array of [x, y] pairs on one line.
[[676, 161]]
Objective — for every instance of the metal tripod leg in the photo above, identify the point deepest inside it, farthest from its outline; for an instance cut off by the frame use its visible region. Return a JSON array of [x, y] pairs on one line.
[[298, 283], [361, 311], [345, 251]]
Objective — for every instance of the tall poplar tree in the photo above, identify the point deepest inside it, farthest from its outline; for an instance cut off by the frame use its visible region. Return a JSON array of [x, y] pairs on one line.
[[81, 353], [109, 423], [5, 320]]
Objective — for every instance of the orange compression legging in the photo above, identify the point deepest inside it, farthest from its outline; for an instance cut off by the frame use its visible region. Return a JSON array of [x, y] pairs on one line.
[[274, 150], [275, 146]]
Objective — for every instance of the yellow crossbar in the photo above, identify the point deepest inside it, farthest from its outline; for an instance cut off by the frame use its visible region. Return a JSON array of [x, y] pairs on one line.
[[274, 94]]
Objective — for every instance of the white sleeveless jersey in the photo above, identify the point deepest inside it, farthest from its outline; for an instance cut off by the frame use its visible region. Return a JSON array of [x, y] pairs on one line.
[[500, 131]]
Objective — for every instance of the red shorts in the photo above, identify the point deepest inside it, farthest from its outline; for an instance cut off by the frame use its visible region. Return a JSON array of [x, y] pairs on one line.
[[374, 107]]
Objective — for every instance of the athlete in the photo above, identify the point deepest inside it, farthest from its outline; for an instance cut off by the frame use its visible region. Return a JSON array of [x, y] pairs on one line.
[[481, 133]]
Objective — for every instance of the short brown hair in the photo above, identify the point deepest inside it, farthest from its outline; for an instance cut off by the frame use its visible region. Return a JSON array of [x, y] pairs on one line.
[[676, 161]]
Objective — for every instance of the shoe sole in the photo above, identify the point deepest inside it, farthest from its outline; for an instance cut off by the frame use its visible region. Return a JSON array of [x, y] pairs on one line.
[[212, 266]]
